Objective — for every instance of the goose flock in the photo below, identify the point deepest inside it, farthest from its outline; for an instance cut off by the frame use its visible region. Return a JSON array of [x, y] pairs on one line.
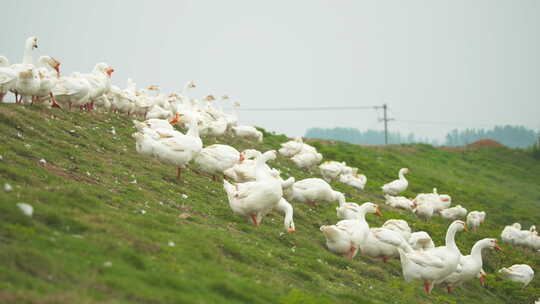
[[253, 188]]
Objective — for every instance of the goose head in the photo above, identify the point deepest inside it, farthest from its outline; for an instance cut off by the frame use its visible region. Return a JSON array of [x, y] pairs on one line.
[[4, 62], [50, 61], [104, 68], [404, 171], [459, 225], [369, 207], [31, 43], [493, 244]]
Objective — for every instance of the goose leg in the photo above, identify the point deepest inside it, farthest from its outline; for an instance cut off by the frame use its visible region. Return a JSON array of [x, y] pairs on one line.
[[178, 173], [427, 287], [54, 103], [449, 289], [254, 219]]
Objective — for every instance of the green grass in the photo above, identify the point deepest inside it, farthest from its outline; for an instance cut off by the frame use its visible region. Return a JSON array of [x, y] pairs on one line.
[[88, 241]]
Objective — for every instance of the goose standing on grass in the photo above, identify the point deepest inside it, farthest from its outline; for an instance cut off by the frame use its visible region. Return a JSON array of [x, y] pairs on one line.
[[217, 158], [179, 149], [8, 77], [471, 265], [255, 199], [475, 218], [307, 160], [99, 80], [399, 185], [431, 265], [49, 72], [29, 85], [311, 190], [71, 91], [347, 236], [520, 273]]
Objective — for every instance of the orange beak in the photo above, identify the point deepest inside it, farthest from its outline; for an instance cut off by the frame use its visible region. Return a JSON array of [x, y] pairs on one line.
[[110, 71], [497, 247], [378, 212], [291, 230], [175, 119], [242, 158], [465, 228]]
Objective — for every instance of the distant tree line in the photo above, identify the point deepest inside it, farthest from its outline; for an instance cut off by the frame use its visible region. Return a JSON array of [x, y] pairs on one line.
[[512, 136], [371, 137]]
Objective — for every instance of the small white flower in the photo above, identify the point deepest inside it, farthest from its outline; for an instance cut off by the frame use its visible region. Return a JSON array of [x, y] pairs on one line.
[[27, 209], [7, 187], [133, 181], [19, 135], [172, 244], [27, 146], [42, 161], [107, 264], [184, 196], [71, 131], [161, 203], [1, 157], [143, 211], [113, 131], [88, 173]]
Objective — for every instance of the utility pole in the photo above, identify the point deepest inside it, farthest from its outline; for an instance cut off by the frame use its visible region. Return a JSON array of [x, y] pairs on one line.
[[386, 120]]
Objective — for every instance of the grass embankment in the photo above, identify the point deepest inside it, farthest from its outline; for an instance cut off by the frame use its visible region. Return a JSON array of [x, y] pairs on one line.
[[90, 242]]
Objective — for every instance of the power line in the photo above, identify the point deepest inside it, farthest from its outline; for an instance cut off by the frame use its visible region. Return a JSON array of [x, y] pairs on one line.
[[309, 109]]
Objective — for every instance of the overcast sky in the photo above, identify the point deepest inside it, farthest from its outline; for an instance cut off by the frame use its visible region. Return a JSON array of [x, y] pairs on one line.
[[439, 65]]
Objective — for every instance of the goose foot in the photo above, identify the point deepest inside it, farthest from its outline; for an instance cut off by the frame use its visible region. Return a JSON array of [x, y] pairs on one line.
[[54, 103]]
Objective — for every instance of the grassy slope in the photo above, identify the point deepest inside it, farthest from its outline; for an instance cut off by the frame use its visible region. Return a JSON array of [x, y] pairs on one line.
[[87, 213]]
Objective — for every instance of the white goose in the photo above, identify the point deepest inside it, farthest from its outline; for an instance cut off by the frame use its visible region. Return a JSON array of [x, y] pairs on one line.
[[420, 240], [430, 265], [397, 186], [71, 91], [379, 250], [217, 158], [331, 170], [511, 233], [180, 149], [287, 210], [8, 77], [28, 82], [475, 218], [49, 72], [292, 147], [399, 202], [520, 273], [354, 180], [244, 171], [471, 265], [256, 198], [247, 132], [311, 190], [347, 236], [454, 213], [307, 160], [99, 80]]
